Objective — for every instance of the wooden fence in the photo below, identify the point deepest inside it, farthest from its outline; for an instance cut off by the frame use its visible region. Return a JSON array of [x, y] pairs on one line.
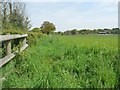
[[9, 54]]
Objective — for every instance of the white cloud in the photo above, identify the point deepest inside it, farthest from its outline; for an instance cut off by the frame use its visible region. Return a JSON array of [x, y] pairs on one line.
[[101, 15]]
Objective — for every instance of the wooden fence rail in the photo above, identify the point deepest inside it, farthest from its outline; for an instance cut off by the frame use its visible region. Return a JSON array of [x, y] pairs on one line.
[[9, 54]]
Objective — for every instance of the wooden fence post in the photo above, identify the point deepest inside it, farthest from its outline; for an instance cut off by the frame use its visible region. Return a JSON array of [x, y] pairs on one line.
[[24, 41], [8, 46]]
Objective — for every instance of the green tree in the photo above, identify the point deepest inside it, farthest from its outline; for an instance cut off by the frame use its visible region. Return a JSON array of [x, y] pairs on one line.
[[47, 27], [35, 29], [74, 31], [13, 15]]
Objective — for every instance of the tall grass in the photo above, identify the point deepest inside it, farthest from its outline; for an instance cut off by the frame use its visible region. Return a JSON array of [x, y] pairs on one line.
[[87, 61]]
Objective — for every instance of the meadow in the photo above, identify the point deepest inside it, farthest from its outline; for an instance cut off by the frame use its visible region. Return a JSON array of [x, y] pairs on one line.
[[68, 61]]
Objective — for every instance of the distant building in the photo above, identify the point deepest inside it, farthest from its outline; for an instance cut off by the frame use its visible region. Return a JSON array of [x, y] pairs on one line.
[[103, 33]]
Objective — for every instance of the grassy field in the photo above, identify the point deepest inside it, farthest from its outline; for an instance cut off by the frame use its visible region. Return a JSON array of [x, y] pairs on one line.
[[80, 61]]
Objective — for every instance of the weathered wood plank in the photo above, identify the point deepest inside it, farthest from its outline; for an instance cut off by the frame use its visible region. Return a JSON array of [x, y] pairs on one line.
[[10, 37], [6, 59], [24, 47], [10, 56]]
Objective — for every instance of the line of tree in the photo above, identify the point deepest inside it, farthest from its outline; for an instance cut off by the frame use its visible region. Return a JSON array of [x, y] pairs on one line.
[[88, 31], [46, 28], [14, 16]]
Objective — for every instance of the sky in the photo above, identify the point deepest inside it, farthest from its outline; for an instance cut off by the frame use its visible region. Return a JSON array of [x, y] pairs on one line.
[[74, 15]]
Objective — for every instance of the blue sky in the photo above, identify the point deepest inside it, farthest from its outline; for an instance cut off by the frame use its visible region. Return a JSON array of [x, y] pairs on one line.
[[74, 15]]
